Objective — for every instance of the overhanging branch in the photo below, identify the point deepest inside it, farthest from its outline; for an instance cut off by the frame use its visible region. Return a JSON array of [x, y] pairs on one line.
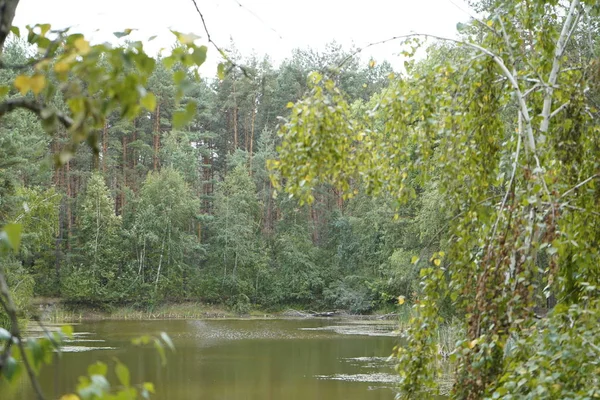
[[216, 46], [530, 140], [33, 106]]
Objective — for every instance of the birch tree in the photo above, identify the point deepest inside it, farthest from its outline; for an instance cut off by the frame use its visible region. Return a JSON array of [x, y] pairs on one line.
[[508, 131]]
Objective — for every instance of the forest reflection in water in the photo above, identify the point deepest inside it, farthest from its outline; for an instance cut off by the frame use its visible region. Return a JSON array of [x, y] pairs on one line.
[[237, 359]]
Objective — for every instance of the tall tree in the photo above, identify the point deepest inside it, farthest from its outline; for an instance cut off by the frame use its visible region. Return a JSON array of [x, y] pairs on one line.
[[491, 127], [237, 245], [97, 258]]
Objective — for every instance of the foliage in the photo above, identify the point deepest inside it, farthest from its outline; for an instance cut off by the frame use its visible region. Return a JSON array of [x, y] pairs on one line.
[[21, 288], [236, 226], [558, 358], [165, 247], [97, 230], [69, 84], [507, 132]]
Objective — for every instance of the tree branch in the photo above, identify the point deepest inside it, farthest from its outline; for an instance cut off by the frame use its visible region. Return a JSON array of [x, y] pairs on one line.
[[7, 14], [580, 184], [223, 54], [567, 29], [559, 109], [505, 71], [33, 106]]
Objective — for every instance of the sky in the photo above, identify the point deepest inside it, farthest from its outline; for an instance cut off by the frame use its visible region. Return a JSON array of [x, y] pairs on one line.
[[272, 27]]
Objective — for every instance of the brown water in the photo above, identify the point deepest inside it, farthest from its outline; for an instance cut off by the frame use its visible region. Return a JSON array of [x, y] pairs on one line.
[[236, 359]]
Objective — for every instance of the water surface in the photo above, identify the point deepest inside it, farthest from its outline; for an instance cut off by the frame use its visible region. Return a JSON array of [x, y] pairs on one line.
[[237, 359]]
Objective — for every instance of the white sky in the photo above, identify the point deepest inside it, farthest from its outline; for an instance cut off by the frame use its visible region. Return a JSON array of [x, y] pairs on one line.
[[271, 27]]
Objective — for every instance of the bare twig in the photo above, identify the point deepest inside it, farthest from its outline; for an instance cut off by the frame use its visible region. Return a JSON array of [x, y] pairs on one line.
[[580, 184], [533, 88], [559, 109], [34, 206], [215, 45], [258, 18], [570, 207]]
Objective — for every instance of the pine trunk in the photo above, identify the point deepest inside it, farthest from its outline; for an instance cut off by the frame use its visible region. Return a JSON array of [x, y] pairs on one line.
[[67, 181], [104, 146], [235, 120], [252, 135], [156, 137], [124, 178]]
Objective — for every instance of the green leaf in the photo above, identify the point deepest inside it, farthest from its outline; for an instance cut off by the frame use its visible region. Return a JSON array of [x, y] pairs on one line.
[[149, 386], [13, 234], [161, 351], [67, 330], [44, 28], [15, 31], [122, 373], [149, 101], [178, 77], [36, 352], [98, 368], [140, 340], [221, 71], [182, 118], [185, 38], [10, 368], [4, 90], [126, 32], [199, 55]]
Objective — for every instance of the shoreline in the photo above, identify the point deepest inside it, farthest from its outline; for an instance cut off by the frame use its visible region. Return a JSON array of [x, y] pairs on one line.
[[54, 311]]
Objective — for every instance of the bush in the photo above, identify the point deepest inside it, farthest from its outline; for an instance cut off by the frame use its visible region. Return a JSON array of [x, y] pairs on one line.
[[351, 294], [241, 304], [21, 288]]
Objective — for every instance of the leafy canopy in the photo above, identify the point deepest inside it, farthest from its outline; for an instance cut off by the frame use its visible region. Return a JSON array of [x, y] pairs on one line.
[[502, 121]]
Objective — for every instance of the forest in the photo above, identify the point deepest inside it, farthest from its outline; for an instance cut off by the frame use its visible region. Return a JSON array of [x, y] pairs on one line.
[[189, 214], [461, 189]]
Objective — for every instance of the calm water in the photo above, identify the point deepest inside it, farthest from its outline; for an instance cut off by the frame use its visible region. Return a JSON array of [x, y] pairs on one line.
[[237, 359]]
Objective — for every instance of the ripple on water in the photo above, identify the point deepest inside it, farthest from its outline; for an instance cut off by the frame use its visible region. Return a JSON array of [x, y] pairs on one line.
[[367, 359], [370, 362], [80, 349], [363, 330], [369, 378]]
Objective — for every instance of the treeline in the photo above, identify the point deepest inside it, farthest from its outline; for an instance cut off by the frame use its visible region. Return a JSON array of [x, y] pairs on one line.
[[159, 214]]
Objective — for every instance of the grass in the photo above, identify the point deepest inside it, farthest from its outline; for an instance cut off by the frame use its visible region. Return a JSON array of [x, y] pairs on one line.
[[64, 313]]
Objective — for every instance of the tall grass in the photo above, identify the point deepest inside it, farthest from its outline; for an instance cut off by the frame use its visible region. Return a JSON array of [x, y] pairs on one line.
[[60, 313]]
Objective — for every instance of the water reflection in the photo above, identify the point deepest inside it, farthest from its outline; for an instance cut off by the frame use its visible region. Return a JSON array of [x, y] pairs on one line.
[[239, 359]]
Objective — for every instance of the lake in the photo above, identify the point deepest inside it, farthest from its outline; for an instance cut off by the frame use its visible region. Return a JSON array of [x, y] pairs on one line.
[[237, 359]]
